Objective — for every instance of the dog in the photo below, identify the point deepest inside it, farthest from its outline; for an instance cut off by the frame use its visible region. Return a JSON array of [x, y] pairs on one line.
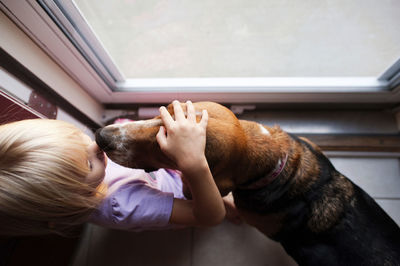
[[282, 184]]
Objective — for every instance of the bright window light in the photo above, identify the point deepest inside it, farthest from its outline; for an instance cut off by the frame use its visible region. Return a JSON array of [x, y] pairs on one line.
[[241, 38]]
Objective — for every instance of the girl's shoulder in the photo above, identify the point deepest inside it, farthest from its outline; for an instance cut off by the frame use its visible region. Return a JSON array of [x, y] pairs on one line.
[[134, 206]]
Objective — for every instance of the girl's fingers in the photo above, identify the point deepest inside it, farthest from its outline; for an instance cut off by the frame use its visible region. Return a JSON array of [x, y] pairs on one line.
[[179, 115], [166, 117], [191, 113], [161, 138], [204, 119]]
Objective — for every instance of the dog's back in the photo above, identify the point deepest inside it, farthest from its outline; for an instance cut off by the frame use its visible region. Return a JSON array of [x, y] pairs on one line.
[[364, 235]]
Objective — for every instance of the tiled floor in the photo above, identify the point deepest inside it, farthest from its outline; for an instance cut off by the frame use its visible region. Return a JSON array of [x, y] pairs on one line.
[[227, 244], [101, 246], [379, 177], [233, 245]]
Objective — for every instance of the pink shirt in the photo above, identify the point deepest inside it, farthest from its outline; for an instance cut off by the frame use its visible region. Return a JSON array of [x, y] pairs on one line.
[[137, 200]]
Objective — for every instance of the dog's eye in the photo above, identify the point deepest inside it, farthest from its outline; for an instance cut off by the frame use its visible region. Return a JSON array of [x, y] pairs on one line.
[[90, 165]]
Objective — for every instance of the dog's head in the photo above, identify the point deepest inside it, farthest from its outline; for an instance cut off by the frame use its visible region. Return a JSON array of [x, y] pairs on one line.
[[134, 144]]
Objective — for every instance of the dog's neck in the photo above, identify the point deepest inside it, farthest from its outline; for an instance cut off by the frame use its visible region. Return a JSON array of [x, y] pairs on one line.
[[265, 156], [267, 179], [257, 192]]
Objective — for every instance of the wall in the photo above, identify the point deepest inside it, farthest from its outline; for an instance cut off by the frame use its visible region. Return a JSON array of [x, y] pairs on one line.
[[24, 50]]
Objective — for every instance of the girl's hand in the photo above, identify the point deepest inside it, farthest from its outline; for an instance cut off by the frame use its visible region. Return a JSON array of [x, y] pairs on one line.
[[183, 139], [232, 214]]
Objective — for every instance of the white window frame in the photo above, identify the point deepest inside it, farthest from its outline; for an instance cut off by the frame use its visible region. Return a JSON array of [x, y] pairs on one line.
[[75, 47]]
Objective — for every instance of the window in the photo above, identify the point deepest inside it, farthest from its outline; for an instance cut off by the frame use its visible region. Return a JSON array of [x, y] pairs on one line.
[[227, 51], [214, 39]]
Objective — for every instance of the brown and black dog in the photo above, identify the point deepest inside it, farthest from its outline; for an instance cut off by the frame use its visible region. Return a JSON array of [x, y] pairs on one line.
[[282, 184]]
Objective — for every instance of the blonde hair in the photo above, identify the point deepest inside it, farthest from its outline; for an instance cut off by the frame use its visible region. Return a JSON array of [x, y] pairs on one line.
[[43, 167]]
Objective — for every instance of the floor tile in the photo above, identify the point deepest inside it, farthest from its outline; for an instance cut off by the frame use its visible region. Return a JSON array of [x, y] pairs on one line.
[[119, 248], [392, 207], [379, 177], [232, 245]]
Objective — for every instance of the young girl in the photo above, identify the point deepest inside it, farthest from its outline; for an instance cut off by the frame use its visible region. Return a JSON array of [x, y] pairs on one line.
[[54, 177]]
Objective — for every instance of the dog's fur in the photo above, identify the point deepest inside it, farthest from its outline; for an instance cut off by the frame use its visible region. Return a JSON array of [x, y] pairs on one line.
[[317, 214]]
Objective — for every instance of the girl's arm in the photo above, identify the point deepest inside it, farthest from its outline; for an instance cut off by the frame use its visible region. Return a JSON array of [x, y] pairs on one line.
[[183, 140]]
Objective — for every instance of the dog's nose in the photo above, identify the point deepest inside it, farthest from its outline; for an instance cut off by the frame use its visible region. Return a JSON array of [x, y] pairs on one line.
[[104, 139]]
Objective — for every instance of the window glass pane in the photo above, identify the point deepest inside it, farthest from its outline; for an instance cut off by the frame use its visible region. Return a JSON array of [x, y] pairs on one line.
[[242, 38]]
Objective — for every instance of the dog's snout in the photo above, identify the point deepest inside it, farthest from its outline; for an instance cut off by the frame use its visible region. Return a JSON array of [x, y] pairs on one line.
[[104, 139]]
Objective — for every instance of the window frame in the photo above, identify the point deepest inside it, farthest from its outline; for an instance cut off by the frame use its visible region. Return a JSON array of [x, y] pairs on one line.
[[79, 52]]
